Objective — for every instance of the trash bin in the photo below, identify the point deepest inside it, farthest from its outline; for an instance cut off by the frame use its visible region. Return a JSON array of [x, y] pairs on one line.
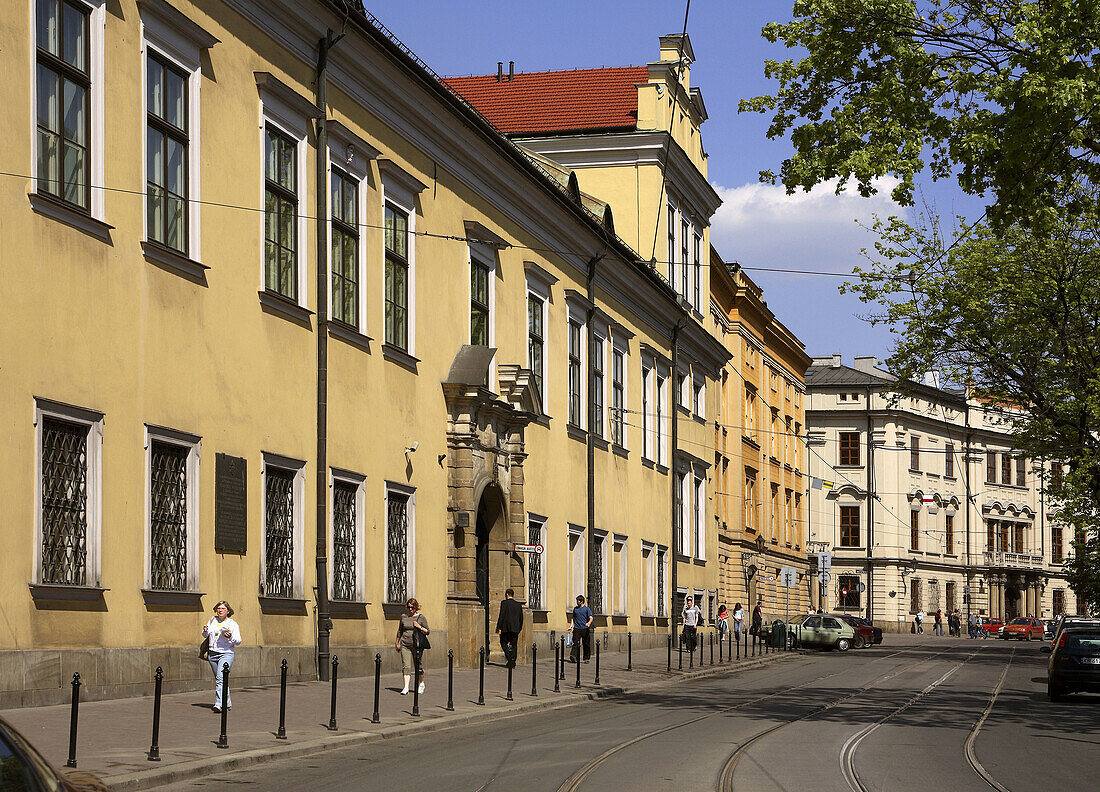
[[779, 634]]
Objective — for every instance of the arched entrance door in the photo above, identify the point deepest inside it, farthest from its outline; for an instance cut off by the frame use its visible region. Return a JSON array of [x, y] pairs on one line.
[[490, 558]]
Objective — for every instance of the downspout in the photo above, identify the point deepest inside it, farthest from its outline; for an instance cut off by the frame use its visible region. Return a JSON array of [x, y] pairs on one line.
[[590, 445], [870, 510], [324, 620], [676, 510], [966, 472]]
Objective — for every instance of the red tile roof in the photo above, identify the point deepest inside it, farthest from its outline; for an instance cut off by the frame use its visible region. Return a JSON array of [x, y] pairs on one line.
[[556, 101]]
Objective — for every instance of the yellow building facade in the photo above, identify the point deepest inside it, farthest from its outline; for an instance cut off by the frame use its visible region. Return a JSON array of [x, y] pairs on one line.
[[318, 362], [761, 508]]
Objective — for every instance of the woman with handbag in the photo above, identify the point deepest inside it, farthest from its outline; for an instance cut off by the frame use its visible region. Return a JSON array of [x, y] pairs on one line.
[[222, 636], [412, 637]]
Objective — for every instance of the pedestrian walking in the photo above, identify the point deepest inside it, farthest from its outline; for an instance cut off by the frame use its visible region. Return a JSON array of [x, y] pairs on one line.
[[723, 621], [979, 627], [918, 621], [581, 628], [691, 618], [937, 627], [222, 636], [971, 621], [757, 618], [509, 624], [738, 621], [412, 633]]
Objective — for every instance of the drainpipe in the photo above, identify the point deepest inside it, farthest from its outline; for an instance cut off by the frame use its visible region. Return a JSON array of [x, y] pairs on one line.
[[594, 573], [324, 620], [966, 472], [870, 510], [676, 511]]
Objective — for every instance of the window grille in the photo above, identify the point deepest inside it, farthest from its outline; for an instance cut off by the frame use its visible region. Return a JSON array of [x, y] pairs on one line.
[[914, 595], [397, 535], [951, 603], [661, 582], [168, 517], [534, 567], [279, 538], [933, 595], [64, 502], [595, 576], [848, 591], [343, 541]]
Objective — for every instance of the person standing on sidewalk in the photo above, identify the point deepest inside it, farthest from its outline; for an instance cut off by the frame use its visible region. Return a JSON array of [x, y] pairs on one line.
[[738, 621], [691, 616], [723, 621], [757, 618], [581, 628], [412, 620], [937, 627], [509, 625], [223, 635], [918, 621]]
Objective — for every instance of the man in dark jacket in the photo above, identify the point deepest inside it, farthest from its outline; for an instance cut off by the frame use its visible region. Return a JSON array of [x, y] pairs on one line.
[[509, 624]]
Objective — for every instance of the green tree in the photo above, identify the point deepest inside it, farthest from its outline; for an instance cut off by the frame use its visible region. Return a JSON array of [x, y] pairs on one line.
[[1014, 313], [1001, 94]]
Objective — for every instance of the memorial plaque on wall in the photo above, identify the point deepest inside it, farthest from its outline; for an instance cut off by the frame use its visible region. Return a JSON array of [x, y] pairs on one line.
[[230, 504]]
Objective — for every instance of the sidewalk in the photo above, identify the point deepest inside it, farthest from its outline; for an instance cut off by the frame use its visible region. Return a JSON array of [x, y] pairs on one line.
[[114, 736]]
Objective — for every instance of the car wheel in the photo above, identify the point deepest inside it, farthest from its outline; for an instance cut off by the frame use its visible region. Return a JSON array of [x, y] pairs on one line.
[[842, 644], [1028, 636], [858, 642], [1053, 693]]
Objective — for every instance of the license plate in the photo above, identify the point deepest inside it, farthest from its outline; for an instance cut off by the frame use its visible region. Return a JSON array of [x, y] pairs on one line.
[[1091, 660]]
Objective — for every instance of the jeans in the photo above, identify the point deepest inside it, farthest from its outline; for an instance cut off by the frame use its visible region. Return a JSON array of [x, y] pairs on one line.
[[581, 639], [217, 659], [938, 629]]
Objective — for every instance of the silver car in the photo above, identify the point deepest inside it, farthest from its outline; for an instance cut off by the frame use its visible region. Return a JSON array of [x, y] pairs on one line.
[[824, 631]]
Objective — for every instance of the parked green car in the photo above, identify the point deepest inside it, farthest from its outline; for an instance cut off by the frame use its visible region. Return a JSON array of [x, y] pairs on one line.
[[824, 631]]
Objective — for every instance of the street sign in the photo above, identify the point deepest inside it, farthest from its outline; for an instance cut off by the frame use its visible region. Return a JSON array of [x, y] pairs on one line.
[[527, 548], [824, 561], [788, 576], [862, 587], [966, 589]]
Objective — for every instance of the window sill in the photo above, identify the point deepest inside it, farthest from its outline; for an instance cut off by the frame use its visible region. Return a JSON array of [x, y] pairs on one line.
[[48, 206], [600, 443], [918, 471], [156, 599], [56, 592], [620, 451], [393, 610], [349, 335], [278, 305], [576, 433], [750, 441], [647, 463], [174, 262], [346, 609], [699, 562], [400, 357], [662, 469], [856, 466], [682, 409], [283, 606]]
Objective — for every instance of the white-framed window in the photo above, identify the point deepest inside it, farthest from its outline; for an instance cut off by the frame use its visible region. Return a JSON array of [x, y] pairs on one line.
[[348, 176], [618, 395], [172, 46], [400, 522], [482, 295], [577, 340], [749, 430], [682, 389], [576, 567], [536, 568], [699, 396], [347, 494], [68, 89], [539, 296], [618, 575], [649, 442], [649, 579], [696, 268], [685, 262], [599, 380], [599, 584], [399, 191], [283, 520], [699, 517], [171, 509], [672, 245], [659, 402], [683, 495], [68, 494]]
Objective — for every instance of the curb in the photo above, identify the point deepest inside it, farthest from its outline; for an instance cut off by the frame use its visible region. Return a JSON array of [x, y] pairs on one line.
[[182, 771]]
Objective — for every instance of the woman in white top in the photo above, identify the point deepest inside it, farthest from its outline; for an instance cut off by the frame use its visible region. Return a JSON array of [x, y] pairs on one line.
[[738, 620], [692, 616], [223, 635]]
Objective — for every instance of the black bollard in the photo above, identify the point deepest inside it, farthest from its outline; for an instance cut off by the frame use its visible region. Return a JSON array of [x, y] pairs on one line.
[[481, 676], [281, 734], [416, 684], [680, 655], [534, 668], [223, 738], [691, 656], [72, 721], [508, 695], [712, 647], [628, 666], [579, 667], [377, 685], [719, 649], [450, 680], [597, 661], [557, 657], [154, 747], [332, 709], [561, 659], [669, 653]]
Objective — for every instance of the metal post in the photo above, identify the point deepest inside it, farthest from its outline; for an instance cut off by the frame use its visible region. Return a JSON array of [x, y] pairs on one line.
[[481, 676], [561, 659], [508, 695], [416, 684], [534, 668], [691, 654], [223, 739], [753, 646], [332, 709], [670, 653], [628, 647], [597, 661], [450, 680], [281, 734], [579, 668], [557, 657], [712, 648], [72, 721], [377, 685], [154, 747], [738, 645], [679, 654], [720, 648]]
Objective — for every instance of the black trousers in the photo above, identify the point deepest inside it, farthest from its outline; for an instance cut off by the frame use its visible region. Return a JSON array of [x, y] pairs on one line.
[[509, 643], [582, 636]]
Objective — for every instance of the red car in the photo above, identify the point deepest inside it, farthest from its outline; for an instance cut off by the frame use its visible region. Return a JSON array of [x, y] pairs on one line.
[[865, 634], [992, 625], [1023, 629]]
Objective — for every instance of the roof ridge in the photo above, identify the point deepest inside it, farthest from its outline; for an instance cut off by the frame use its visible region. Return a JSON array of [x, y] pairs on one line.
[[543, 71]]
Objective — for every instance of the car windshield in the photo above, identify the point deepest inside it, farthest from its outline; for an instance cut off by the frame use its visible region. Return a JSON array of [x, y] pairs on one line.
[[798, 619], [1083, 642], [1020, 621]]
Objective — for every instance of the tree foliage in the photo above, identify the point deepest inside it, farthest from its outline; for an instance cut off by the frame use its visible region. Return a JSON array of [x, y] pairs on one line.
[[1014, 313], [1004, 95]]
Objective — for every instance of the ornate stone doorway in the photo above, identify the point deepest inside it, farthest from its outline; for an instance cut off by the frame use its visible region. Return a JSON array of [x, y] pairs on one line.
[[491, 557]]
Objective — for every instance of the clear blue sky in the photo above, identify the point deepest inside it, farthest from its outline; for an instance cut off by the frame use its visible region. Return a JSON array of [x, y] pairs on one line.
[[758, 225]]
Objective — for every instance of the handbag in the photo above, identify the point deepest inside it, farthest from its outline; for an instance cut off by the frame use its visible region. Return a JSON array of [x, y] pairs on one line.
[[420, 641], [204, 648]]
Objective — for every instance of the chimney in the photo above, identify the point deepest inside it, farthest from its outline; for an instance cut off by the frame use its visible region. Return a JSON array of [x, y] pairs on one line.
[[500, 71], [832, 361], [932, 379], [511, 70], [867, 364]]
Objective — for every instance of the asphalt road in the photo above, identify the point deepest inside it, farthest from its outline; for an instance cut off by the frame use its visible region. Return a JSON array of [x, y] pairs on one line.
[[904, 716]]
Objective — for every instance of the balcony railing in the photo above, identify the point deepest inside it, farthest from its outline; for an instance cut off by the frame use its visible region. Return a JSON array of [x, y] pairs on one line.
[[1014, 560]]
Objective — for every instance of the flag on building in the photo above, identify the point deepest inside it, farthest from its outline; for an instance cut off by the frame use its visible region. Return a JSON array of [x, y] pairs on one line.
[[815, 483], [827, 485], [929, 499]]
